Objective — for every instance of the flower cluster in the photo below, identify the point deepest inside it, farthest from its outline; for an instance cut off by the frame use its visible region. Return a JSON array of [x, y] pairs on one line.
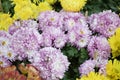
[[25, 9], [25, 41], [103, 26], [6, 51], [57, 26], [41, 40], [77, 29]]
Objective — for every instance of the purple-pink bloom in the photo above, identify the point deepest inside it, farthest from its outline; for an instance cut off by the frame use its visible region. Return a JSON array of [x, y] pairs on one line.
[[105, 23], [23, 23], [101, 64], [99, 47], [79, 36], [75, 24], [90, 65], [87, 67], [54, 36], [5, 49], [4, 62], [51, 63], [5, 34], [71, 20], [26, 39], [50, 18]]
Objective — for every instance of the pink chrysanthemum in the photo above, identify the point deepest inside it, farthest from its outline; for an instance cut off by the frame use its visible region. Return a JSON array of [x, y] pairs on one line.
[[50, 18], [54, 37], [26, 39], [22, 23], [105, 23], [98, 65], [51, 63], [99, 47]]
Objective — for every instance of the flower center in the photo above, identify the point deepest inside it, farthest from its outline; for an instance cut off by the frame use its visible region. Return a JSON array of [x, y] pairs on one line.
[[81, 32], [1, 62], [9, 54], [3, 43], [52, 19]]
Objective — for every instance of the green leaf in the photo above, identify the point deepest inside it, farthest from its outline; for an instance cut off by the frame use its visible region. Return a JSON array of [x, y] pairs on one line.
[[69, 50], [75, 57], [83, 55], [6, 5]]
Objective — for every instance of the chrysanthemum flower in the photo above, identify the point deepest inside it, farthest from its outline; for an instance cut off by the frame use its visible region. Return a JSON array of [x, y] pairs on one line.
[[10, 73], [71, 20], [51, 63], [50, 19], [25, 39], [93, 76], [77, 29], [22, 23], [5, 42], [98, 65], [4, 62], [73, 5], [44, 6], [5, 21], [99, 47], [104, 23], [113, 69], [25, 9], [54, 37], [31, 71], [114, 42], [87, 67], [5, 34], [22, 9]]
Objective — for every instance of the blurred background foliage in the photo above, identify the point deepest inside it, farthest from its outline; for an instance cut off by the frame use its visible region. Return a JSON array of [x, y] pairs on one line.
[[92, 6]]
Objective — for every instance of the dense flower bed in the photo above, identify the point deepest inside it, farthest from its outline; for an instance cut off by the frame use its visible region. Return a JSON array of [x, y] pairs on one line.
[[61, 45]]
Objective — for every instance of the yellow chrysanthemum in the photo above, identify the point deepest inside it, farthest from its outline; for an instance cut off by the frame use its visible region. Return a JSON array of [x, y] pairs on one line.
[[22, 9], [51, 1], [114, 42], [5, 21], [35, 10], [44, 6], [73, 5], [118, 32], [24, 13], [25, 9], [93, 76], [113, 69]]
